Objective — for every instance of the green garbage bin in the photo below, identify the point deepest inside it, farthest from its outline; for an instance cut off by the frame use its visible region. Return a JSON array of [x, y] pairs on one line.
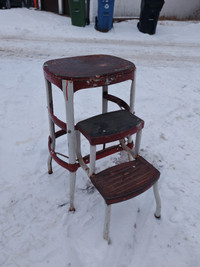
[[77, 12]]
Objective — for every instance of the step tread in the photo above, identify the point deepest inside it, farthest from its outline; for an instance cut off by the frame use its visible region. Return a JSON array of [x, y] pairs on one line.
[[126, 180], [110, 126]]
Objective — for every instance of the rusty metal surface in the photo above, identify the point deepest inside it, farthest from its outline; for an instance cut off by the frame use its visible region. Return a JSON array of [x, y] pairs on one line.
[[88, 71], [73, 167]]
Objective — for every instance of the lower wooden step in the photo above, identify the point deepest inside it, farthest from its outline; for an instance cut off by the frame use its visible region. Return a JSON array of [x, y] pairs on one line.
[[126, 180]]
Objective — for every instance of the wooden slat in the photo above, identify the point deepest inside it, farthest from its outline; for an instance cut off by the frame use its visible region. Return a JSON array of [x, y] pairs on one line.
[[126, 180]]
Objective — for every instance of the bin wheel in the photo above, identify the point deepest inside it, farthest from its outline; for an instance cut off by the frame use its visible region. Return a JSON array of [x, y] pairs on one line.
[[8, 5], [96, 22], [87, 21]]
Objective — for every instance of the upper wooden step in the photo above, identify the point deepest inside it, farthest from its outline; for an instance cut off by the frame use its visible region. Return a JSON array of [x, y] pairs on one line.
[[109, 127]]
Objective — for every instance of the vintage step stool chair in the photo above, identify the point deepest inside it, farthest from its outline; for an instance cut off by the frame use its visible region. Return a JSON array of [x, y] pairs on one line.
[[117, 183]]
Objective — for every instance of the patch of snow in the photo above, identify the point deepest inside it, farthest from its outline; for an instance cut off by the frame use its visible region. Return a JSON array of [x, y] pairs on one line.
[[36, 227]]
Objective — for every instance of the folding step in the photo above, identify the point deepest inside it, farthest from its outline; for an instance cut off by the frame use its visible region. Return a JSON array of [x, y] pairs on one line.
[[126, 180], [109, 127]]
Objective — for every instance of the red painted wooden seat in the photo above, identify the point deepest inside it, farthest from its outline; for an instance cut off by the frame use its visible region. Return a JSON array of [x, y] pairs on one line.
[[88, 71]]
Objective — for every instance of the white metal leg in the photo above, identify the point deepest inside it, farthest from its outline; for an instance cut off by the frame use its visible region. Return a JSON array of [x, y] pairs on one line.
[[78, 153], [132, 103], [132, 95], [39, 5], [158, 201], [49, 164], [137, 143], [68, 92], [92, 160], [60, 7], [72, 177], [127, 149], [104, 101], [107, 223], [51, 124], [78, 143], [90, 171], [130, 139]]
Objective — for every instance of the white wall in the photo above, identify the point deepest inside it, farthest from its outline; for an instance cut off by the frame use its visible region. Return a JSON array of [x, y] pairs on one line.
[[172, 8], [181, 8], [127, 8]]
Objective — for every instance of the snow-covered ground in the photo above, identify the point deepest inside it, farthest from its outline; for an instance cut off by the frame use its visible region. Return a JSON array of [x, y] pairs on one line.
[[36, 228]]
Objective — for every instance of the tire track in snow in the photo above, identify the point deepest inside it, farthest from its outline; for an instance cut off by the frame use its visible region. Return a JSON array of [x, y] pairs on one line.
[[43, 48]]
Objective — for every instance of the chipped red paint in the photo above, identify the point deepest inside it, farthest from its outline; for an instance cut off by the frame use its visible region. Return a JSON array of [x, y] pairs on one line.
[[89, 71], [58, 122], [99, 155], [64, 164], [117, 100]]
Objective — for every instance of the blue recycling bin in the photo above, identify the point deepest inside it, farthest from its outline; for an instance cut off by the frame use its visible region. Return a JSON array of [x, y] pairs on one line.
[[104, 20]]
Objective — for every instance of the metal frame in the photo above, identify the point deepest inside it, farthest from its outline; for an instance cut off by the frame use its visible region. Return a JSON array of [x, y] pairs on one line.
[[92, 160], [158, 201], [51, 124], [74, 142], [133, 154], [68, 92], [60, 7], [106, 231], [132, 101], [104, 100], [132, 94], [93, 154]]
